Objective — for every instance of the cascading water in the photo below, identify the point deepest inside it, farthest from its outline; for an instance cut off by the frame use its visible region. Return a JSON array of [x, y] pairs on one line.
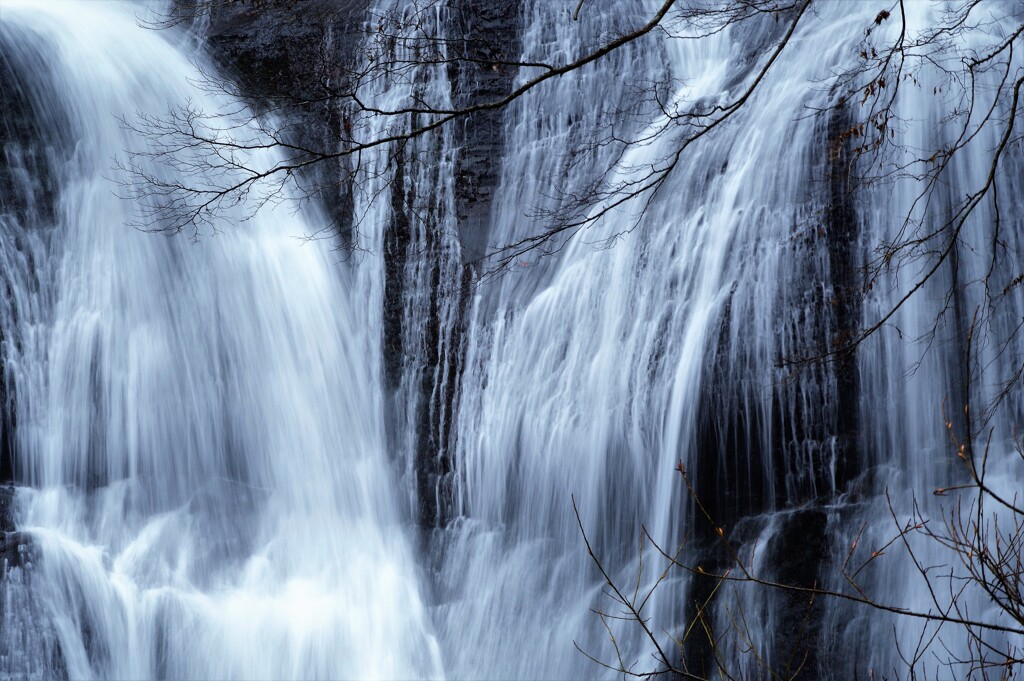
[[591, 373], [199, 427], [594, 362], [242, 459]]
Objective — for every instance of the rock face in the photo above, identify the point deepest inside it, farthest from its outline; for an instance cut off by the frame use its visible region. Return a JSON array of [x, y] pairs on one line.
[[286, 58], [746, 477], [488, 34], [797, 552], [810, 412], [36, 144], [16, 548], [33, 135], [484, 36], [29, 647], [275, 51], [846, 287], [6, 509]]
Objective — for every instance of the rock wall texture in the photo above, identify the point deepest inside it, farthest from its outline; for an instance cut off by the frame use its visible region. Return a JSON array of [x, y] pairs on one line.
[[287, 58]]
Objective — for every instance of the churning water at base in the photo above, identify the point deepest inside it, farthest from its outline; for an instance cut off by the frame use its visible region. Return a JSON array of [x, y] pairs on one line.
[[210, 487]]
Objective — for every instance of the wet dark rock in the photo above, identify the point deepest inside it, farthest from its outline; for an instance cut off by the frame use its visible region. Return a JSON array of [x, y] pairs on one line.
[[7, 508], [730, 477], [397, 237], [280, 54], [16, 548], [439, 390], [779, 486], [795, 546], [797, 551], [811, 409], [846, 290], [36, 144], [8, 421], [16, 551], [486, 36], [33, 135], [277, 50], [423, 340]]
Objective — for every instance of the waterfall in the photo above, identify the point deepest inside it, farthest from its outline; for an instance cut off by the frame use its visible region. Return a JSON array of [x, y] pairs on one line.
[[653, 340], [199, 425], [595, 362], [243, 456]]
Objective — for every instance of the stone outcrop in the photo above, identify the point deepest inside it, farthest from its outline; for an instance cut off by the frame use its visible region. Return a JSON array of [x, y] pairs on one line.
[[36, 143], [16, 548], [280, 55], [487, 35], [287, 60], [810, 411]]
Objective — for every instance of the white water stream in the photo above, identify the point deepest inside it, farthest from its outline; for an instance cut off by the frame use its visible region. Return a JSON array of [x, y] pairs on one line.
[[202, 429], [200, 425]]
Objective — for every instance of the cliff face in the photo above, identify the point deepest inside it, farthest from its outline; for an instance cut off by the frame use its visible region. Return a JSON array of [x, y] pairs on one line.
[[287, 59], [36, 144], [489, 34]]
